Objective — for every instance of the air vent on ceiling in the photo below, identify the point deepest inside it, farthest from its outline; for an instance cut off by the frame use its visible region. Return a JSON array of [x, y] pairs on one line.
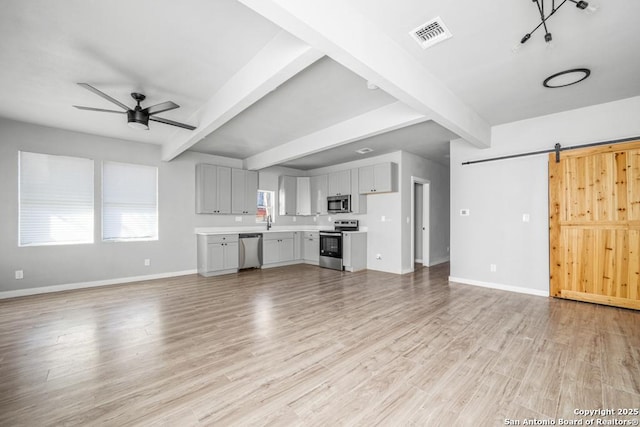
[[364, 150], [431, 33]]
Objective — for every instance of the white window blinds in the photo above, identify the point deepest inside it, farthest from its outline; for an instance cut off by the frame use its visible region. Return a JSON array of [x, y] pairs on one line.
[[129, 202], [56, 199]]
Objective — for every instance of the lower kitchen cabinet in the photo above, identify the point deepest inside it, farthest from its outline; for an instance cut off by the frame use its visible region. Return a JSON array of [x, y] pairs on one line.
[[354, 250], [217, 254], [311, 247], [279, 248]]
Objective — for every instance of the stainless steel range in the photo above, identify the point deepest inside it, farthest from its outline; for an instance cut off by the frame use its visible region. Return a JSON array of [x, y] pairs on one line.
[[331, 243]]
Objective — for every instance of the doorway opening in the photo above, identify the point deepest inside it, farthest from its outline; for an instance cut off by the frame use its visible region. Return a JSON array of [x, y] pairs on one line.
[[420, 202]]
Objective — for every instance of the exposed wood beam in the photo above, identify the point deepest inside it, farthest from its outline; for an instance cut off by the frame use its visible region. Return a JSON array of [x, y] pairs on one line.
[[282, 58], [384, 119], [348, 37]]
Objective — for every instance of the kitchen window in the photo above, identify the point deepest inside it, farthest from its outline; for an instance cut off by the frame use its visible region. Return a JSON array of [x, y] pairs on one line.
[[129, 202], [55, 199], [265, 205]]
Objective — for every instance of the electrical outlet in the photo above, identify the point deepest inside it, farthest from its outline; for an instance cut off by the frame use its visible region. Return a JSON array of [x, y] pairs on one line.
[[295, 219], [378, 256], [383, 218], [19, 274], [526, 217], [238, 219], [493, 268], [147, 262]]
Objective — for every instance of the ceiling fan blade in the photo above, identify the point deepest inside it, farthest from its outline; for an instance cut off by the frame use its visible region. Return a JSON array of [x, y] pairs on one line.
[[159, 108], [104, 95], [102, 110], [171, 122]]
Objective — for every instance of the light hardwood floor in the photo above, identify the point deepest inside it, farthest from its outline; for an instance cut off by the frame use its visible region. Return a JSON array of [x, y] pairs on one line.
[[303, 345]]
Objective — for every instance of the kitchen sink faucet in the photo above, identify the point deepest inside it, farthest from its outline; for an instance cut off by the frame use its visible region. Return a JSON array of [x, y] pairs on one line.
[[268, 222]]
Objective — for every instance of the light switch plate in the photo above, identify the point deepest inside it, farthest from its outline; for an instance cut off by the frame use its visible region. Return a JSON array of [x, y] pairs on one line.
[[464, 212]]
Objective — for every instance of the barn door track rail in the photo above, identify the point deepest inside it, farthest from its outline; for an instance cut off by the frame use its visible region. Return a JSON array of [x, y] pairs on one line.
[[557, 149]]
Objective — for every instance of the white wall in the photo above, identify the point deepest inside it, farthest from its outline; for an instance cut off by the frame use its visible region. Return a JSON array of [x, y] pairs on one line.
[[498, 194], [438, 177], [175, 251]]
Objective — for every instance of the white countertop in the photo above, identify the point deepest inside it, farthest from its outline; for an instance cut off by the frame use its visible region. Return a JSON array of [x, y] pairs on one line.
[[206, 231]]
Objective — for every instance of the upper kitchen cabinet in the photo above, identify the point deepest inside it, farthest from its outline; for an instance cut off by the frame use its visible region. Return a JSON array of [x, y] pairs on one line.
[[303, 195], [339, 183], [380, 178], [318, 186], [213, 189], [244, 192], [287, 192]]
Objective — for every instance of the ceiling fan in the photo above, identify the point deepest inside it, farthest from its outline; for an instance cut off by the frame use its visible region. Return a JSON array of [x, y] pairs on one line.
[[138, 117]]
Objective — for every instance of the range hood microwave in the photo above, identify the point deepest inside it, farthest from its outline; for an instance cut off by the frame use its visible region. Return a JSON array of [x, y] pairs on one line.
[[339, 204]]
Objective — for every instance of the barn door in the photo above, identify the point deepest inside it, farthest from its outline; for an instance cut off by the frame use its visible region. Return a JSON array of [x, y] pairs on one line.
[[594, 212]]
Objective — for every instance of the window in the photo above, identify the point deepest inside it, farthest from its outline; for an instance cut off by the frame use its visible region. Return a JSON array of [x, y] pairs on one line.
[[265, 205], [129, 202], [55, 200]]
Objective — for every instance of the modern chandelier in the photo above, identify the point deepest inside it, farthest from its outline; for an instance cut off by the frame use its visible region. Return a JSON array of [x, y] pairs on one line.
[[546, 14]]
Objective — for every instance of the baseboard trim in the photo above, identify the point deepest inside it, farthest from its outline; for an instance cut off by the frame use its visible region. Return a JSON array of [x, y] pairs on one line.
[[499, 286], [84, 285], [437, 261]]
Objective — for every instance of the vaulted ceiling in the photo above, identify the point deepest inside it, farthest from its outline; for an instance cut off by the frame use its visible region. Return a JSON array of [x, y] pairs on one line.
[[285, 81]]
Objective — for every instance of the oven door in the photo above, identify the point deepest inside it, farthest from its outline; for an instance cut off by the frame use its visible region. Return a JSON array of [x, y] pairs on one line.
[[331, 250]]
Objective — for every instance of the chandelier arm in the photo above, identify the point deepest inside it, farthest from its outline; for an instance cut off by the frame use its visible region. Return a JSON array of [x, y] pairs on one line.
[[555, 9]]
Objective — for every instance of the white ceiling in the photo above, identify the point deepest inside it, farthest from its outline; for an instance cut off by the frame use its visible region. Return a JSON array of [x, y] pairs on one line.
[[191, 51]]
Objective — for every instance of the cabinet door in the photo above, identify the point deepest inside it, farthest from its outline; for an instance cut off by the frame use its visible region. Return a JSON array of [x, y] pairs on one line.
[[344, 182], [238, 185], [382, 177], [303, 196], [346, 249], [215, 257], [231, 255], [287, 250], [224, 189], [287, 195], [311, 249], [366, 178], [270, 251], [206, 192], [318, 192], [251, 193], [339, 183], [297, 245]]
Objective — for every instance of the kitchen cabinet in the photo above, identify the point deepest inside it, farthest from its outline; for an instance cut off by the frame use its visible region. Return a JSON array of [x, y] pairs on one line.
[[217, 254], [318, 194], [354, 250], [358, 201], [287, 192], [380, 178], [311, 247], [339, 183], [303, 195], [244, 192], [213, 189], [278, 248]]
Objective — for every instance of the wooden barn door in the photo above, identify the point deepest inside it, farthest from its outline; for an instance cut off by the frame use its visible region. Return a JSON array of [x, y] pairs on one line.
[[594, 211]]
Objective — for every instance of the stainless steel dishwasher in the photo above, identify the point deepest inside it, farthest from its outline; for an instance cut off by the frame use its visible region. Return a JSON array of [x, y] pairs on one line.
[[250, 249]]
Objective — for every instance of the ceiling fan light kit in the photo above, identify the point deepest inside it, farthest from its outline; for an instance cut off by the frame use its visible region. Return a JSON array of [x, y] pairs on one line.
[[138, 117]]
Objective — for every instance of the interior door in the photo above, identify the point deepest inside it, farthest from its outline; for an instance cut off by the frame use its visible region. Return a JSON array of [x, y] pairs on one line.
[[594, 204]]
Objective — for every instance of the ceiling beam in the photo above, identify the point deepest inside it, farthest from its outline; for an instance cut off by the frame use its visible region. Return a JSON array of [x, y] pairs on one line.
[[345, 35], [282, 58], [384, 119]]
